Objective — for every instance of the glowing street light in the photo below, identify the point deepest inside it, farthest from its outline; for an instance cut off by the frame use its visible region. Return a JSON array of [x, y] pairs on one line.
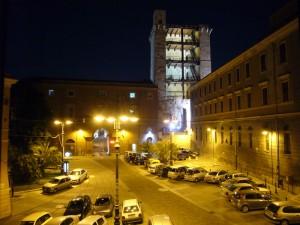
[[117, 123], [62, 124]]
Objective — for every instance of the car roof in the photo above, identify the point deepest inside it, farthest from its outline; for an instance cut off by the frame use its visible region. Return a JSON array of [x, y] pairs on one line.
[[61, 177], [104, 196], [242, 185], [35, 215], [91, 218], [130, 201], [57, 220], [160, 219], [284, 203], [77, 169]]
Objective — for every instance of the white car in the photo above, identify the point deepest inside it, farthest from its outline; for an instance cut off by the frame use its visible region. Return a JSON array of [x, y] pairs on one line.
[[216, 176], [64, 220], [36, 218], [78, 175], [131, 211], [93, 220]]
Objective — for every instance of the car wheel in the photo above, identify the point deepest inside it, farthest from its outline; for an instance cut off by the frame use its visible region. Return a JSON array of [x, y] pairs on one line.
[[284, 222], [245, 208]]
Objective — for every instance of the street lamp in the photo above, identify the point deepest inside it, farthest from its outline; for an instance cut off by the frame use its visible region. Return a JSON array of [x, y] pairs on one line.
[[117, 125], [62, 124]]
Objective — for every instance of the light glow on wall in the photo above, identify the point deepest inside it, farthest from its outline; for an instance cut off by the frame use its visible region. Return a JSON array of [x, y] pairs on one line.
[[149, 135]]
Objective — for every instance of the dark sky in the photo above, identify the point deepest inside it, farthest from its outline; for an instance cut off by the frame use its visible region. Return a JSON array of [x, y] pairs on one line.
[[108, 39]]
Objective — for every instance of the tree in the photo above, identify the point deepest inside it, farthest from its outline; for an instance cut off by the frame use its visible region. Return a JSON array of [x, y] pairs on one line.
[[162, 149]]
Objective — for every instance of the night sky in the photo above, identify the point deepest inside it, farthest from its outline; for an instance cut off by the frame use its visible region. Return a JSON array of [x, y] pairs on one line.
[[108, 40]]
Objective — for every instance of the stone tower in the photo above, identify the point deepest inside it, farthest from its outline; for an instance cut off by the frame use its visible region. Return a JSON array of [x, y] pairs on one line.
[[180, 56]]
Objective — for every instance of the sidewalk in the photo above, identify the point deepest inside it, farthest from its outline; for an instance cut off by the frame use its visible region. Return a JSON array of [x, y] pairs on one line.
[[208, 164], [30, 187]]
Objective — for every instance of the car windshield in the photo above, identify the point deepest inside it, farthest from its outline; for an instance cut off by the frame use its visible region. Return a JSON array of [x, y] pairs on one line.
[[27, 222], [129, 209], [102, 201], [54, 181], [75, 204], [76, 173], [212, 173]]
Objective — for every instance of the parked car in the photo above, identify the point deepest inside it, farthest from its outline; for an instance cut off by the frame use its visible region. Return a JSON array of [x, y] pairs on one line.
[[104, 205], [250, 200], [216, 176], [163, 170], [152, 168], [235, 189], [81, 205], [237, 180], [162, 219], [236, 175], [64, 220], [194, 155], [57, 184], [36, 218], [78, 175], [139, 159], [195, 174], [93, 220], [177, 172], [283, 212], [132, 211], [183, 154], [151, 161]]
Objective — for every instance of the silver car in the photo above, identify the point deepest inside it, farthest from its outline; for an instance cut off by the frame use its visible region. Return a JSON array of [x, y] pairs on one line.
[[283, 212], [215, 177], [195, 174], [78, 175], [57, 184], [250, 200]]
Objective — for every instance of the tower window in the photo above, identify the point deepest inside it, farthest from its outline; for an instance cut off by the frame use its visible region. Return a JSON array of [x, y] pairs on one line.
[[132, 95], [265, 96], [285, 91], [263, 63], [282, 53]]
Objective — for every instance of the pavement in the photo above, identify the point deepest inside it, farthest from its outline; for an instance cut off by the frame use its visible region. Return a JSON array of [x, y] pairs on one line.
[[204, 162]]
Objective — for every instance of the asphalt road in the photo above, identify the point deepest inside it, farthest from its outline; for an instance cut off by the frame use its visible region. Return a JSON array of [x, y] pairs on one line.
[[186, 203]]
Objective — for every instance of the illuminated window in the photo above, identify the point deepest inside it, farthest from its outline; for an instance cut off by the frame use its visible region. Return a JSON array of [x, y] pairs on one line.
[[132, 95], [51, 92]]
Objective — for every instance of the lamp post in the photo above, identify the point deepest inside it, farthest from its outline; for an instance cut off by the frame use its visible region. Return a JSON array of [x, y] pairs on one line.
[[62, 124], [117, 125]]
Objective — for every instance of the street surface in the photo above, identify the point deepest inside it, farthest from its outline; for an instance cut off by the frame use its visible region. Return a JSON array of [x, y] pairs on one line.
[[186, 203]]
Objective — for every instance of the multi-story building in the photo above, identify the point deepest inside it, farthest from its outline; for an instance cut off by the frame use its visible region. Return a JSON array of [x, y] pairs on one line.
[[247, 112], [81, 101], [180, 56]]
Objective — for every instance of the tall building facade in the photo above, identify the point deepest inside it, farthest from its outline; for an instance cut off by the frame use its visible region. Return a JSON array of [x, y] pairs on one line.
[[247, 112], [180, 56]]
